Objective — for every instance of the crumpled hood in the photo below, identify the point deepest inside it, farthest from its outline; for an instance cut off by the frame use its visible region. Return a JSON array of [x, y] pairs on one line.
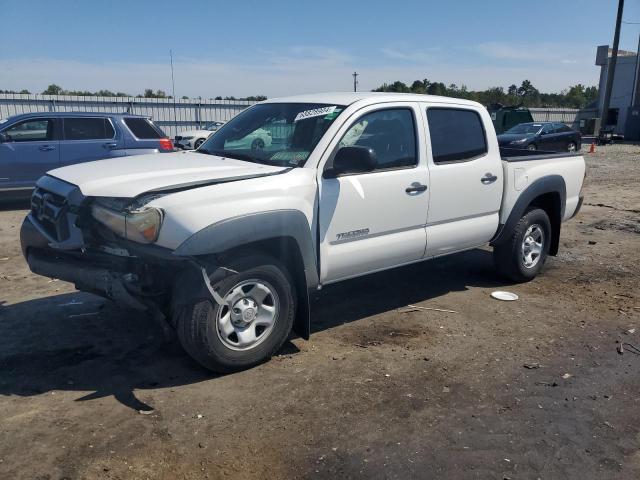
[[131, 176]]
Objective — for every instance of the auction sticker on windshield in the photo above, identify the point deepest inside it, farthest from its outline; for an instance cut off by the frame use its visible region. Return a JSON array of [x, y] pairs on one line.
[[315, 112]]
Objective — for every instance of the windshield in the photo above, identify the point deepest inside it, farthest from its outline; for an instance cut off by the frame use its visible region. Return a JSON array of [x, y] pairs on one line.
[[282, 134], [525, 128]]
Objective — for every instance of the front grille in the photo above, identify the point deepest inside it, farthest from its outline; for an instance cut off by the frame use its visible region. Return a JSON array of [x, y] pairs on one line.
[[50, 211], [178, 138]]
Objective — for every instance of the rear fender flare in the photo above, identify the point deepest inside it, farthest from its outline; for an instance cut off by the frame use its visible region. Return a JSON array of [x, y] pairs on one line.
[[543, 185]]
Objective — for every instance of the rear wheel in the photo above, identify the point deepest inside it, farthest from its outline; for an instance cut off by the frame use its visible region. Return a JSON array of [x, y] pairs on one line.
[[251, 325], [522, 256], [571, 147]]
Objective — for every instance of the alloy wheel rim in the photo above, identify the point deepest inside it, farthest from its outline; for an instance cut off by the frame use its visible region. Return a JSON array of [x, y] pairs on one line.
[[248, 315], [532, 244]]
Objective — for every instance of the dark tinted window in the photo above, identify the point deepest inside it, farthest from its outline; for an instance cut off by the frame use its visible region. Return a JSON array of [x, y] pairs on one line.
[[142, 128], [390, 133], [563, 128], [87, 129], [456, 134], [30, 131], [548, 128]]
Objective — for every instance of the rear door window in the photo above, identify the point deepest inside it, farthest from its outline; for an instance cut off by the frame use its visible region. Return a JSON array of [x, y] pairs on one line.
[[88, 128], [143, 128], [34, 130], [456, 134]]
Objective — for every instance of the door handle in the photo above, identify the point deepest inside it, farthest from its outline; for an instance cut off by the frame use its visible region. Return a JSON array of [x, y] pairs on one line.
[[488, 178], [415, 188], [47, 148], [110, 145]]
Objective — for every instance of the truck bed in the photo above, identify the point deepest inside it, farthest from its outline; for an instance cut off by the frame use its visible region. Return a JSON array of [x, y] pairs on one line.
[[522, 169]]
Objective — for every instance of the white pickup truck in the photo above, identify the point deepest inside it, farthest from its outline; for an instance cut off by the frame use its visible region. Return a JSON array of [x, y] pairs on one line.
[[225, 243]]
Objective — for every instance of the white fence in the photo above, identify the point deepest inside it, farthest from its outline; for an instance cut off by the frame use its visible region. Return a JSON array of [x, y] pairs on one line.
[[172, 116]]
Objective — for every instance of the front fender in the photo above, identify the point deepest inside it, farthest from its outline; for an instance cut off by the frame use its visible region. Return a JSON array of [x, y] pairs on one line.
[[243, 230]]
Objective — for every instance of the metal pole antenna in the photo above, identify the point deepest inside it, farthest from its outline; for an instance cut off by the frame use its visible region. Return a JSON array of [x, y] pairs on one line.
[[635, 97], [173, 88], [355, 81], [611, 68]]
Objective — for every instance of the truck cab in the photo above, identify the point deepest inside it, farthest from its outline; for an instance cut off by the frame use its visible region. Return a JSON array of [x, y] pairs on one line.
[[225, 244]]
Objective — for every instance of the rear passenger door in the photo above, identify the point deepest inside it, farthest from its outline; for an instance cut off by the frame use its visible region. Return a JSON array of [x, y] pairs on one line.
[[466, 179], [86, 139]]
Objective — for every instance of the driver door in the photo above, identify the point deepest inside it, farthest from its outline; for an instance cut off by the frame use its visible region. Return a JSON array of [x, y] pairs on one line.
[[375, 220]]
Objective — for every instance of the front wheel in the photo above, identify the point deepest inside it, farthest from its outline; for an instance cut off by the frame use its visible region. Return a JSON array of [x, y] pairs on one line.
[[199, 142], [521, 257], [252, 324], [532, 147], [571, 147]]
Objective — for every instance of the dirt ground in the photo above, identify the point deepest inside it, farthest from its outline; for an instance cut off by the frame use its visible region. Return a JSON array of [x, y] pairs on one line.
[[378, 391]]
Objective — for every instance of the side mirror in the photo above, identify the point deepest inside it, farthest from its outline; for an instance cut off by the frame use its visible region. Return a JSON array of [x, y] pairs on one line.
[[352, 160]]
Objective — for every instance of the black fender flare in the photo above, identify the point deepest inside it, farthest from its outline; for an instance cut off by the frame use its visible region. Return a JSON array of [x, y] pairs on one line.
[[242, 230], [541, 186]]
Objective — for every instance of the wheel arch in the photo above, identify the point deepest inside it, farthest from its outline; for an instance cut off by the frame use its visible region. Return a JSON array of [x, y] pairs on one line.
[[548, 193], [283, 234]]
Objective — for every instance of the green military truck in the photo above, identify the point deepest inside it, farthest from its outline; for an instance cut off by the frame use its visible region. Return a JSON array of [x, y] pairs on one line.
[[504, 118]]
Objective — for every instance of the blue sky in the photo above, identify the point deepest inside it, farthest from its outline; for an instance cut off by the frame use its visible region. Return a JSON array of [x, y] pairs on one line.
[[286, 47]]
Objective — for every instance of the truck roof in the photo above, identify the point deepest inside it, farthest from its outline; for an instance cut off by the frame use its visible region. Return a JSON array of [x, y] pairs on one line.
[[348, 98]]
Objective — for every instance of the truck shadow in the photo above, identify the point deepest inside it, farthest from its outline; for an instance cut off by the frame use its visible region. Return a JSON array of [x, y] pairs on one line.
[[381, 292], [80, 342]]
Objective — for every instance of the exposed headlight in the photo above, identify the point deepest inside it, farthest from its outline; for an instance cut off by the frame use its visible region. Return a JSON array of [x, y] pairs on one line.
[[142, 225], [522, 140]]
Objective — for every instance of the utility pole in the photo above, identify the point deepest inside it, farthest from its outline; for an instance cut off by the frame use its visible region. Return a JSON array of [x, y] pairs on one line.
[[173, 88], [611, 68], [355, 81]]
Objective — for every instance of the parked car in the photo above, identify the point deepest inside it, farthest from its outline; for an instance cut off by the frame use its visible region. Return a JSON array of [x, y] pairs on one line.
[[546, 136], [504, 118], [33, 143], [192, 139], [224, 245]]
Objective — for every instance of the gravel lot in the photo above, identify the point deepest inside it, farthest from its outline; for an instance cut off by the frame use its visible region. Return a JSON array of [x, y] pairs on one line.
[[380, 391]]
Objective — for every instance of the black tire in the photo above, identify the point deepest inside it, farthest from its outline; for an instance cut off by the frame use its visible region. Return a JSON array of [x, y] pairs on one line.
[[198, 142], [197, 322], [508, 256], [572, 147], [257, 144], [532, 147]]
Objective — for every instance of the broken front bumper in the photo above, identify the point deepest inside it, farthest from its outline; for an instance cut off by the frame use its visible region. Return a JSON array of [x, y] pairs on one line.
[[131, 281]]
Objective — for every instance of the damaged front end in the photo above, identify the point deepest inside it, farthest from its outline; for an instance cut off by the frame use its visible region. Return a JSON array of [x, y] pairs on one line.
[[102, 246]]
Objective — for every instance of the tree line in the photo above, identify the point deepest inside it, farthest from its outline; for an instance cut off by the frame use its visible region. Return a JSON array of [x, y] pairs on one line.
[[54, 89], [576, 96]]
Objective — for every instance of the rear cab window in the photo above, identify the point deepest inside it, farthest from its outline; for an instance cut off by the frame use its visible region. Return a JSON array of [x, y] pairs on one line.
[[143, 128], [88, 128], [457, 134]]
